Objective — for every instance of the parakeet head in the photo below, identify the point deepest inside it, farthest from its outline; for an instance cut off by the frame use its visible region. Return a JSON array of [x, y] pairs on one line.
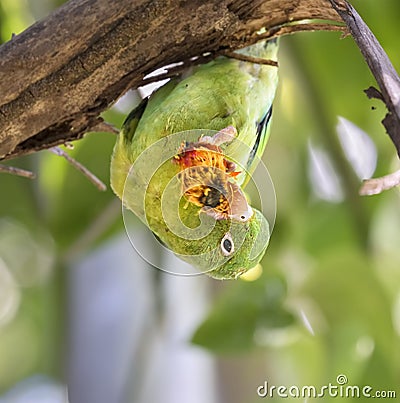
[[226, 251], [242, 245]]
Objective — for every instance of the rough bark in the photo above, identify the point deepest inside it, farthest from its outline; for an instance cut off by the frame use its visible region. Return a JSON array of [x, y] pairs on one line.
[[381, 67], [62, 72]]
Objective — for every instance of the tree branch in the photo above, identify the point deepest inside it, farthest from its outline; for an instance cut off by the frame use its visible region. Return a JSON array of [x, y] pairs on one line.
[[61, 73], [17, 171], [378, 185], [89, 175], [381, 67], [388, 81]]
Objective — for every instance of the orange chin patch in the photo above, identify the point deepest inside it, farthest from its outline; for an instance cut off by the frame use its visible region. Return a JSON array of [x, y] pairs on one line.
[[204, 175], [207, 155]]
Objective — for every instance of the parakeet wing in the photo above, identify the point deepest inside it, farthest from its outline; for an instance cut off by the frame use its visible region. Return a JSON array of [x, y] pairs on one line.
[[121, 159]]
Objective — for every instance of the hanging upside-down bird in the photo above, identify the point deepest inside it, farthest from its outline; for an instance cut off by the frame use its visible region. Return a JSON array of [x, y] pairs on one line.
[[232, 99]]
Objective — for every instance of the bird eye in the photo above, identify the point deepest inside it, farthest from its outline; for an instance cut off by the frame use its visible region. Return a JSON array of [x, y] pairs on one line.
[[227, 246]]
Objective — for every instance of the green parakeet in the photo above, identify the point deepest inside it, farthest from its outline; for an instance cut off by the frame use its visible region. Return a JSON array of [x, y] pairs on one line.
[[185, 153]]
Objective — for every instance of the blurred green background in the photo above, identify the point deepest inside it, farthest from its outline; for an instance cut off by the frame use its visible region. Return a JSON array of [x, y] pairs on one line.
[[326, 303]]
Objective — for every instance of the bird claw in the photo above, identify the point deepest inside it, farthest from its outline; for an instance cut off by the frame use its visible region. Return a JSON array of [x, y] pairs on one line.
[[225, 135]]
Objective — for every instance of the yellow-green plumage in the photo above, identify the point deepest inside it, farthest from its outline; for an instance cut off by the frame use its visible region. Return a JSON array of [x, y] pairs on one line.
[[225, 92]]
